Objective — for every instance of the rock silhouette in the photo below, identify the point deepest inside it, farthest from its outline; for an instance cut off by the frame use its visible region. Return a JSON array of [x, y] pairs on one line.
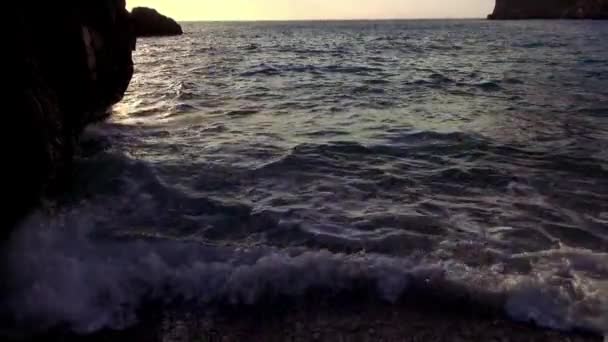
[[550, 9], [149, 23], [73, 62]]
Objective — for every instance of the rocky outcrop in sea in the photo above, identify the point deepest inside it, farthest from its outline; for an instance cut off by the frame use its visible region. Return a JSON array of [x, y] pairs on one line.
[[149, 23], [72, 63], [550, 9]]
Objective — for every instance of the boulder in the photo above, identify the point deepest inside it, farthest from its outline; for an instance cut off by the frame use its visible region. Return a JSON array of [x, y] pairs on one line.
[[148, 22], [550, 9], [70, 62]]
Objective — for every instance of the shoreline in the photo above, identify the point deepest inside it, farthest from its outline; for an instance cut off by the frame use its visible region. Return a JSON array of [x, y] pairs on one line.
[[318, 319]]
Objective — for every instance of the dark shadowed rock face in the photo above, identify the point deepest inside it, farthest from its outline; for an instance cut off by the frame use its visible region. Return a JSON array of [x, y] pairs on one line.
[[72, 63], [148, 23], [550, 9]]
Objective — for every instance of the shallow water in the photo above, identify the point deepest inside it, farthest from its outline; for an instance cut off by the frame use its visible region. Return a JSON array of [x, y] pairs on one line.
[[254, 157]]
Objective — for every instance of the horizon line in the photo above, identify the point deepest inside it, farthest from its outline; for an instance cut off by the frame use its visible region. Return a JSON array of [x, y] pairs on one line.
[[321, 20]]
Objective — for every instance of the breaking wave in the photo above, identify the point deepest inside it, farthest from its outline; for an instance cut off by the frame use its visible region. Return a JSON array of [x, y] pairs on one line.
[[81, 267]]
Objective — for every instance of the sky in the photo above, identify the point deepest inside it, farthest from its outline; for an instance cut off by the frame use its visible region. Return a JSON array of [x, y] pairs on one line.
[[186, 10]]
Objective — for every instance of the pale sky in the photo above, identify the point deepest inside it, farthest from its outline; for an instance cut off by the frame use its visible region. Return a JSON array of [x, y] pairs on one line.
[[317, 9]]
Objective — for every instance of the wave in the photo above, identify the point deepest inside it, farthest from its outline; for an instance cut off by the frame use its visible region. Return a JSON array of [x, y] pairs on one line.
[[93, 264], [267, 70], [513, 80], [61, 275], [488, 86], [434, 80], [263, 71], [242, 112], [377, 82], [540, 44]]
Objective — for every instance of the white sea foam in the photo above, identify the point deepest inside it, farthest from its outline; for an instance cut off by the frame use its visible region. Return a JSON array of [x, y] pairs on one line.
[[62, 275]]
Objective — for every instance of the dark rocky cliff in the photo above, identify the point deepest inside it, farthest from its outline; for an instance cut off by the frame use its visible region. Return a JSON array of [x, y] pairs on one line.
[[148, 22], [72, 63], [550, 9]]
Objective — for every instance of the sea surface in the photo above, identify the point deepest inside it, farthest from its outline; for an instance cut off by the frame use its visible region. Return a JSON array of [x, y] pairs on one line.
[[466, 157]]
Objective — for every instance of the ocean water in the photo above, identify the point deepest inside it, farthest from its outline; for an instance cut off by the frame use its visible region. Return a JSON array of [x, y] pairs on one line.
[[466, 157]]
